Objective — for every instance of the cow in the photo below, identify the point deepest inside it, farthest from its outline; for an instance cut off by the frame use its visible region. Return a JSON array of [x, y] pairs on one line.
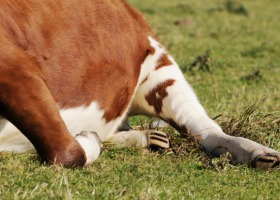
[[72, 71]]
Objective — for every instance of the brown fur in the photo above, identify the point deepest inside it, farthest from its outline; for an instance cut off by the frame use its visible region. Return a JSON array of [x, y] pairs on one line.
[[68, 53], [156, 96], [163, 62]]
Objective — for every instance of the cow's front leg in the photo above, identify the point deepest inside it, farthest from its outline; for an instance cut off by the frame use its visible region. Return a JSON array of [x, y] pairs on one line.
[[165, 93], [26, 101], [148, 138]]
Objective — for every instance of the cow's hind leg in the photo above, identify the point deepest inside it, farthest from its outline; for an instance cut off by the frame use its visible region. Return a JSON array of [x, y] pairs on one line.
[[165, 93], [26, 101]]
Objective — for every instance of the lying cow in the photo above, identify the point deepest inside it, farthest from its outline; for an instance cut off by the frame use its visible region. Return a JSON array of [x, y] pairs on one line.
[[73, 70]]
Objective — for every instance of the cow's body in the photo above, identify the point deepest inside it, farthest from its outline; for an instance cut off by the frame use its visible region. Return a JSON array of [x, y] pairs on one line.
[[97, 61]]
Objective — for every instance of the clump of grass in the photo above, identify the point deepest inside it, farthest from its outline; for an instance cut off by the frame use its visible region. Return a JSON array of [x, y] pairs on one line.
[[253, 124], [201, 63], [221, 163], [183, 145], [240, 124], [183, 22], [232, 6], [253, 77]]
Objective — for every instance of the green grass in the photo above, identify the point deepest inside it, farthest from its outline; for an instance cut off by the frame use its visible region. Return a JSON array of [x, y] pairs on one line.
[[242, 87], [130, 174]]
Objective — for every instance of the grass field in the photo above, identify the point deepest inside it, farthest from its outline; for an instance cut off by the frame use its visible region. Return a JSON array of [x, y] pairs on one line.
[[229, 52]]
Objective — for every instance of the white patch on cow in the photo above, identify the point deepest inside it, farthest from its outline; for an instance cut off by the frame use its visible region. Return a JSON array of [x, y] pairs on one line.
[[151, 61], [91, 145], [89, 118]]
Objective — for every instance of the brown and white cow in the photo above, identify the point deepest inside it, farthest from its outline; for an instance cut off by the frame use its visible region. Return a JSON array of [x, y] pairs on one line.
[[72, 68]]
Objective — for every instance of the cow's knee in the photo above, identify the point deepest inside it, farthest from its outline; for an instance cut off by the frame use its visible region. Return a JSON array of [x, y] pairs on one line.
[[83, 150], [71, 155]]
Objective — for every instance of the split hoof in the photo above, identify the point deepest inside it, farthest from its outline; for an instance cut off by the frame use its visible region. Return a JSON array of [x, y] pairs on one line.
[[266, 161], [157, 140]]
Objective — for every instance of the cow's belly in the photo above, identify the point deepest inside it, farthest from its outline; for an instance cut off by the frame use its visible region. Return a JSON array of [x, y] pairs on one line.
[[76, 119]]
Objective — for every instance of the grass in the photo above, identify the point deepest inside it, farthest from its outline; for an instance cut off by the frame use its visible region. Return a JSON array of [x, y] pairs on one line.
[[239, 42]]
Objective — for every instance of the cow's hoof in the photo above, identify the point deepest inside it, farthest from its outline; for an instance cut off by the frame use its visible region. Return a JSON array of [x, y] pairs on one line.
[[91, 144], [266, 161], [157, 140]]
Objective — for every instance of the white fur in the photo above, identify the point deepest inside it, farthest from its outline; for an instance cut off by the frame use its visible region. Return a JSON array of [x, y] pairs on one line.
[[130, 139], [90, 144], [89, 119], [181, 104], [151, 61]]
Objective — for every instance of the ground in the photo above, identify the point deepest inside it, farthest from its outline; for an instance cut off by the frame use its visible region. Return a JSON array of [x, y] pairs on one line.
[[229, 52]]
